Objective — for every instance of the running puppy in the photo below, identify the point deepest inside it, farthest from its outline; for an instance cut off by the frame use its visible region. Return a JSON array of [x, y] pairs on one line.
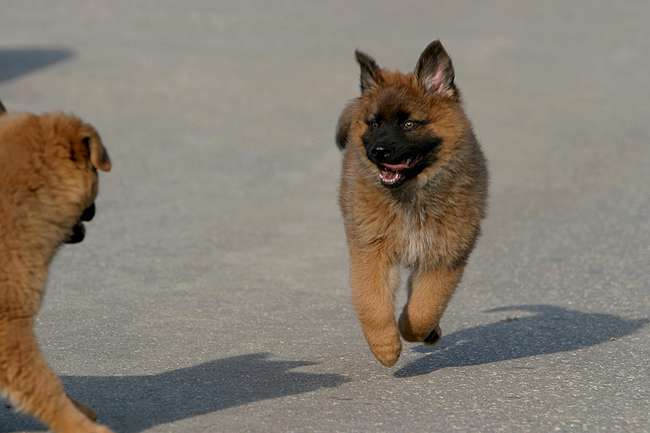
[[413, 193], [48, 184]]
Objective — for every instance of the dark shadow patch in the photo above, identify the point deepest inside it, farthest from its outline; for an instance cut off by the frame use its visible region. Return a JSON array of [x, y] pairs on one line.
[[17, 62], [131, 404], [549, 330]]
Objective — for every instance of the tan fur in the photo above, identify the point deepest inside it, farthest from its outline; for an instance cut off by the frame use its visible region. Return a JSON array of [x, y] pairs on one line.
[[429, 224], [48, 177]]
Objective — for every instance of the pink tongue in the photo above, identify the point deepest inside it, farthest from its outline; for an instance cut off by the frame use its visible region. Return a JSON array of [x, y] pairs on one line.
[[395, 167]]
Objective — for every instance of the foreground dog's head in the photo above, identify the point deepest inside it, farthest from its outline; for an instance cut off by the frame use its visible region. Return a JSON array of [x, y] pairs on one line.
[[49, 165], [406, 123]]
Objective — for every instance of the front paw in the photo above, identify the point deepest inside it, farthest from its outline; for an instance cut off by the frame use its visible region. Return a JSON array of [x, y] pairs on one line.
[[387, 354], [418, 331], [434, 337]]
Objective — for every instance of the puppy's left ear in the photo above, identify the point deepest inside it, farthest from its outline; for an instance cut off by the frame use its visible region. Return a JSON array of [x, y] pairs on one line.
[[434, 72], [98, 155], [3, 110]]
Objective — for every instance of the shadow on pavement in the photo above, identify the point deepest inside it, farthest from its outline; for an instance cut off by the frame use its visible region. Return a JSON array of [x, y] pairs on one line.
[[17, 62], [131, 404], [550, 329]]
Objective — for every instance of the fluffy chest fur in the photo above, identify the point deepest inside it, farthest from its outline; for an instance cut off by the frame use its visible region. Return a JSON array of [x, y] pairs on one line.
[[422, 224]]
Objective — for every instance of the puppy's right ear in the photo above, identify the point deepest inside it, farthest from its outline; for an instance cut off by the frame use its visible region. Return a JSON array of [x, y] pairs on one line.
[[370, 72], [3, 110]]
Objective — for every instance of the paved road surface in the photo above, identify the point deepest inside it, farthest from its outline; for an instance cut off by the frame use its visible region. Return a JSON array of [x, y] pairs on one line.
[[211, 292]]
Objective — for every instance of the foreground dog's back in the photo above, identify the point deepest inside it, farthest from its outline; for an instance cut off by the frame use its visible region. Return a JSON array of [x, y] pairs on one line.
[[413, 192], [48, 181]]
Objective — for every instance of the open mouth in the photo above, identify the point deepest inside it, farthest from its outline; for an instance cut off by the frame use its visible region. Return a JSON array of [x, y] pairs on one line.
[[77, 235], [393, 174], [79, 231]]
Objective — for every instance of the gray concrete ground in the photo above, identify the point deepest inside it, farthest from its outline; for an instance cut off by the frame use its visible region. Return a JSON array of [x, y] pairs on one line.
[[211, 295]]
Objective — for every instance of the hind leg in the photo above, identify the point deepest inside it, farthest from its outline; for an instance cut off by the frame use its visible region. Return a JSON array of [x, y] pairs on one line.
[[32, 386], [429, 294], [374, 279]]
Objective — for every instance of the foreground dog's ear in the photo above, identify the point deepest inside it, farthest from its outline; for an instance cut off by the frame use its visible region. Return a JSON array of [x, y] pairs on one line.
[[345, 123], [98, 155], [3, 110], [370, 73], [434, 71]]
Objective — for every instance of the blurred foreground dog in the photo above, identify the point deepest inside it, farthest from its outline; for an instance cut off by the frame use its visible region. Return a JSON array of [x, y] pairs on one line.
[[48, 184], [413, 193]]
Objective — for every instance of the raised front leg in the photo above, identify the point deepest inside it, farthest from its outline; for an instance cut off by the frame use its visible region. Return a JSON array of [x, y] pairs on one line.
[[429, 294], [32, 386], [374, 278]]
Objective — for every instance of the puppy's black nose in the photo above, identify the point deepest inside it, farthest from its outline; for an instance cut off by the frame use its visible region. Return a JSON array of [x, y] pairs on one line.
[[380, 152]]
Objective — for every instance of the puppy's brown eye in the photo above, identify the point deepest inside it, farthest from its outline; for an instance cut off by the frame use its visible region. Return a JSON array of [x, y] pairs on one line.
[[409, 124], [374, 125]]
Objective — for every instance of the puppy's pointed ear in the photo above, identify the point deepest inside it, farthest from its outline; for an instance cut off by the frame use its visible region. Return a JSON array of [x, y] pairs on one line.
[[434, 72], [370, 72], [98, 155], [3, 110]]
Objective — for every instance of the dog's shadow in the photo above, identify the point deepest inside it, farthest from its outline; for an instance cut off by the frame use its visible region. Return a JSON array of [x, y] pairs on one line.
[[17, 62], [131, 404], [549, 329]]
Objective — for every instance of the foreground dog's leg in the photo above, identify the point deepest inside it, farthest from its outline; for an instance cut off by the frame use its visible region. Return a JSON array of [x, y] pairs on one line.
[[429, 294], [374, 279], [32, 386], [91, 414]]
